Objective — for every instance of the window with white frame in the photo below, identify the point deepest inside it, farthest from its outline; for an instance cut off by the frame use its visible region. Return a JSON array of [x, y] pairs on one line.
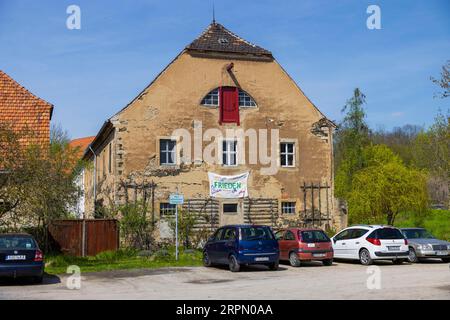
[[245, 100], [166, 209], [229, 152], [212, 98], [288, 207], [287, 154], [167, 151]]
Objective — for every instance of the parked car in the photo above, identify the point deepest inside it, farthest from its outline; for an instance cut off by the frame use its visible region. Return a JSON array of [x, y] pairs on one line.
[[299, 245], [20, 256], [367, 243], [422, 245], [237, 245]]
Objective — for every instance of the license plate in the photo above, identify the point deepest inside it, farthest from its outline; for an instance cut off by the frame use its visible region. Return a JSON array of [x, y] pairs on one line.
[[393, 248], [319, 255], [12, 258], [262, 259], [441, 253]]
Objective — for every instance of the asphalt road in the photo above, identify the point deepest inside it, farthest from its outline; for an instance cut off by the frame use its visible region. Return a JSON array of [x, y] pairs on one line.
[[429, 280]]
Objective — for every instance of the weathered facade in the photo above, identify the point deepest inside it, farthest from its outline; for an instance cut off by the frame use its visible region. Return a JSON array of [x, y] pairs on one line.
[[224, 83]]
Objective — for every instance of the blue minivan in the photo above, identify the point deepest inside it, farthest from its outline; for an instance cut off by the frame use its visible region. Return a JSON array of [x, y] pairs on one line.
[[237, 245]]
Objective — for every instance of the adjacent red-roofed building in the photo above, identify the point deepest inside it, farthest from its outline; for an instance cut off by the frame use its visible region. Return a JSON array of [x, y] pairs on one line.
[[82, 144], [24, 112]]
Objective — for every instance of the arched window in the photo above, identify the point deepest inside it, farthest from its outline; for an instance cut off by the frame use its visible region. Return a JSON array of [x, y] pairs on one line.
[[213, 99], [245, 101]]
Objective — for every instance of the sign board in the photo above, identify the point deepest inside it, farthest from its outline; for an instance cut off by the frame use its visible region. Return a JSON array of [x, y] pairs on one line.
[[176, 198], [228, 186]]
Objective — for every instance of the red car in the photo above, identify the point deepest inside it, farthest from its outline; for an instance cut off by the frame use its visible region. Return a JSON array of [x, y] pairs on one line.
[[297, 245]]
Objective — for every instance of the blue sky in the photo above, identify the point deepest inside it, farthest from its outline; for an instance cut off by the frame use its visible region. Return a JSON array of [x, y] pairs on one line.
[[91, 73]]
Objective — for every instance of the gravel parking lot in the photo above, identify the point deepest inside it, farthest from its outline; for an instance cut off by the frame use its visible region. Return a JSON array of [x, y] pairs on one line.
[[429, 280]]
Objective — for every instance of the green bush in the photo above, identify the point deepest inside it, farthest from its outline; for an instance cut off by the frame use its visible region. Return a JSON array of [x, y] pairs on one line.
[[116, 255], [435, 221]]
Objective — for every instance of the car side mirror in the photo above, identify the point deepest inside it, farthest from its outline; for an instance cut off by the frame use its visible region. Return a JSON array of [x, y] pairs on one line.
[[334, 240], [210, 238]]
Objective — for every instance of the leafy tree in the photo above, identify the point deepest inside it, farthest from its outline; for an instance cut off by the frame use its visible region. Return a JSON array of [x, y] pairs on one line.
[[350, 140], [444, 80], [432, 147], [37, 181], [400, 140], [136, 227], [431, 151], [385, 187]]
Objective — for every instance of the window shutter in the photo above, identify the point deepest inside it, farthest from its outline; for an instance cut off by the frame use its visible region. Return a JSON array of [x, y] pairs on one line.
[[229, 105]]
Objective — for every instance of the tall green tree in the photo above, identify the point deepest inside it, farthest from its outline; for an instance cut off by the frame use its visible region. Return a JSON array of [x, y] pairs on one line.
[[350, 140], [37, 182], [385, 187]]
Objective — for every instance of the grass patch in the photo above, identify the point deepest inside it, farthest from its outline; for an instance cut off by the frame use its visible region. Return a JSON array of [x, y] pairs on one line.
[[436, 221], [123, 259]]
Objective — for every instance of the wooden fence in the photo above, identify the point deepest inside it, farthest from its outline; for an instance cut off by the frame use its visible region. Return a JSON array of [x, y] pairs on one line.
[[84, 237]]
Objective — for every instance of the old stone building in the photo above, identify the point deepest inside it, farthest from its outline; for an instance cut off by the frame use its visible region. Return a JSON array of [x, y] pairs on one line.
[[226, 126]]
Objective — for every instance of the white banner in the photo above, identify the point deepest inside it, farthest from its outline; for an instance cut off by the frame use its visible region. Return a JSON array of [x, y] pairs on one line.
[[228, 186]]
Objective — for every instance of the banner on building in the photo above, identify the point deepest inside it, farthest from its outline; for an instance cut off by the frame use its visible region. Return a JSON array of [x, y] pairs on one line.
[[228, 186]]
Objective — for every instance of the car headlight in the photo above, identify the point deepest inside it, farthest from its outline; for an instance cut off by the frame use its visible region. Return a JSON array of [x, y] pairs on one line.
[[448, 247], [425, 247]]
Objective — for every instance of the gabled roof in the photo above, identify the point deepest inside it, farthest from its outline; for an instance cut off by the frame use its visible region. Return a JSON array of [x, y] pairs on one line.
[[81, 144], [23, 110], [219, 39]]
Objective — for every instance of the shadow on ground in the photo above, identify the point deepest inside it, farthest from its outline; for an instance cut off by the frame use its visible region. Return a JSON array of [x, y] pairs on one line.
[[48, 279]]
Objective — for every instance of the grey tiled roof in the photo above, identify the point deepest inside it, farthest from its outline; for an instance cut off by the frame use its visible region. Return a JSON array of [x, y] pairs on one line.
[[218, 38]]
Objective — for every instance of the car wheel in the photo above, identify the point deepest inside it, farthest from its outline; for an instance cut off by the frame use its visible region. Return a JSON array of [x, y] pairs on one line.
[[412, 257], [327, 262], [294, 260], [206, 261], [398, 261], [446, 260], [364, 257], [234, 264], [273, 266]]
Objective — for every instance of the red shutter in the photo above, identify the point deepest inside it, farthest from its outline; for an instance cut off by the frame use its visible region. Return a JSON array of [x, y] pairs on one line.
[[229, 105]]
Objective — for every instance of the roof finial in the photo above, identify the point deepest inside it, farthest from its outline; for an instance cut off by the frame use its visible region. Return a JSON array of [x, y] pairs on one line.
[[214, 15]]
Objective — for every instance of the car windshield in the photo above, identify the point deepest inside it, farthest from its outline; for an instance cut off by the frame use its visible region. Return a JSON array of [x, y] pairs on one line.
[[256, 233], [389, 233], [417, 234], [16, 242], [313, 236]]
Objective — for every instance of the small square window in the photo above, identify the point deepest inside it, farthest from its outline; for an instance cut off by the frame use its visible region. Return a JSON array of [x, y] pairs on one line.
[[287, 153], [288, 207], [166, 209], [230, 208]]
